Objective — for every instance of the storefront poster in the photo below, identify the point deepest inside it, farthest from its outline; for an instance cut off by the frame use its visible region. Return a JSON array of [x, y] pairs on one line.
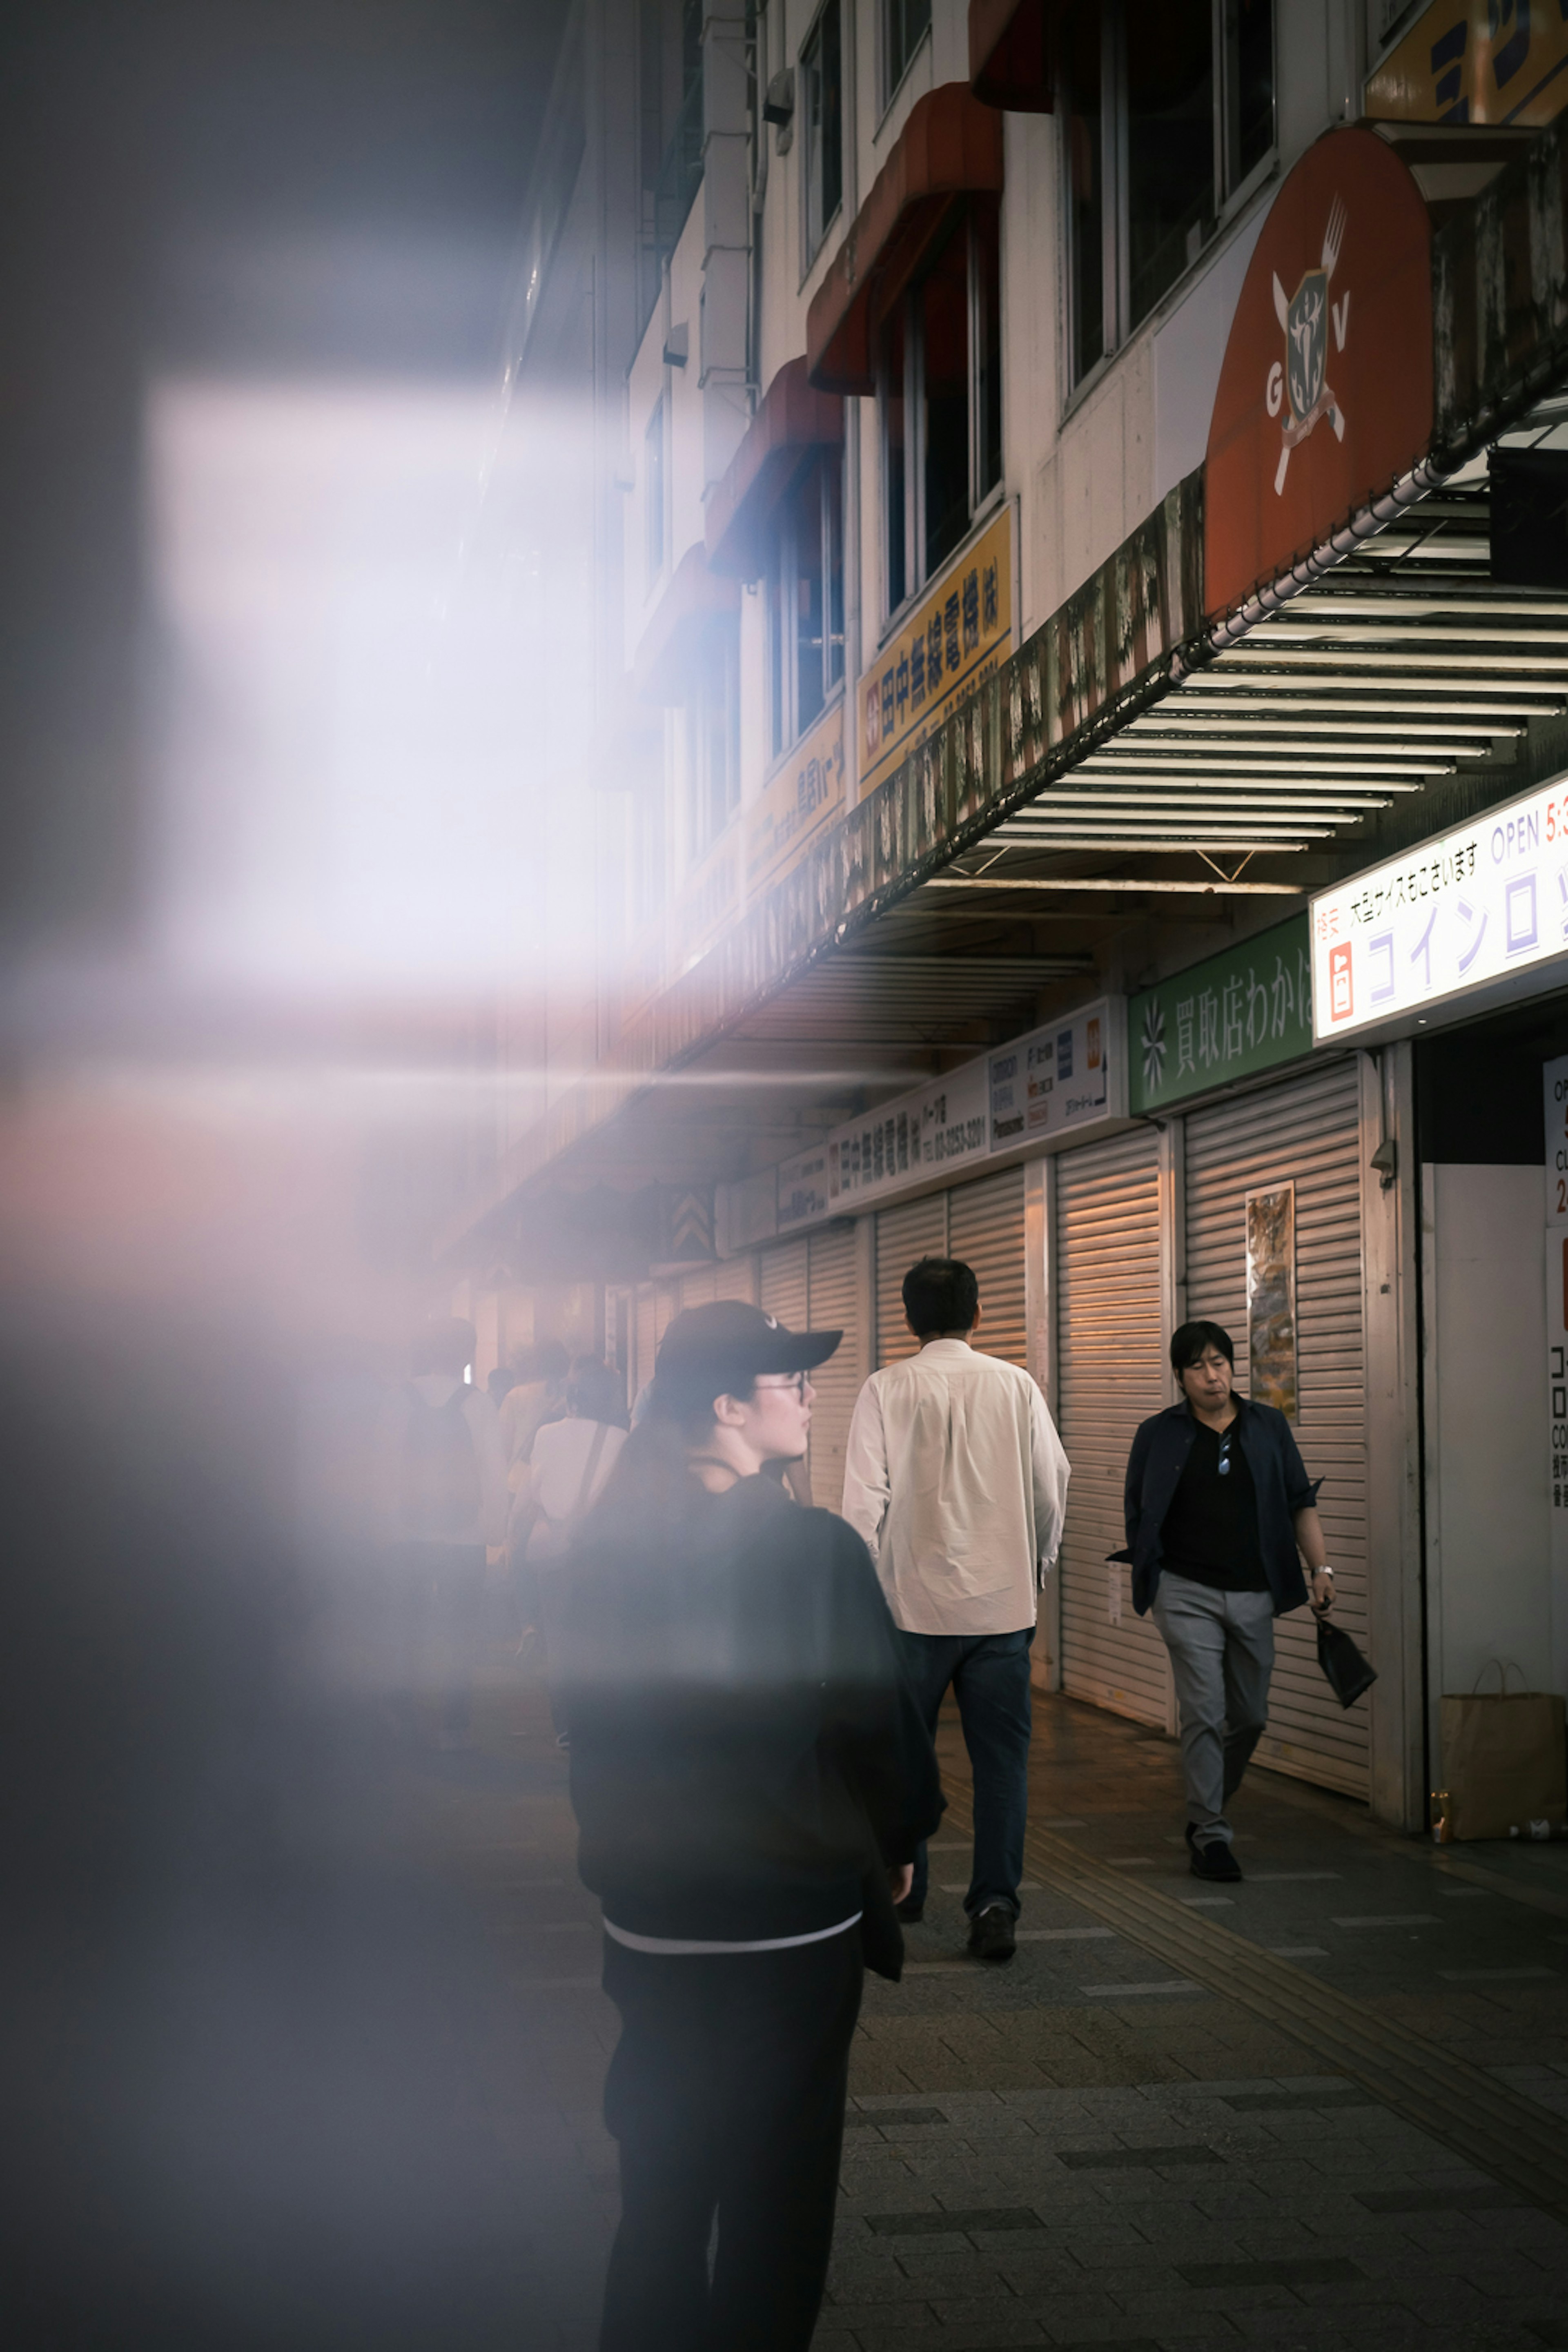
[[802, 796], [1474, 61], [954, 638], [1230, 1017], [1051, 1080], [1271, 1299], [1473, 907]]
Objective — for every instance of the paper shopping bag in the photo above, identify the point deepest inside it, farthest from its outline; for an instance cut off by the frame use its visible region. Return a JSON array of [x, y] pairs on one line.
[[1504, 1763]]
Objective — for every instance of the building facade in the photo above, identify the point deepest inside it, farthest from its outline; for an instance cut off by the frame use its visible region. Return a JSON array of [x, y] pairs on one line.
[[1069, 677]]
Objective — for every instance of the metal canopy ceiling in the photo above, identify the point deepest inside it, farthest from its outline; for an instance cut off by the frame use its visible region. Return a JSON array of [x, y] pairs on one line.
[[1401, 665], [878, 999]]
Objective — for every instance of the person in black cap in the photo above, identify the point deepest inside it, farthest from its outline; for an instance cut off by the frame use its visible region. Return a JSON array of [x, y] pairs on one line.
[[750, 1777]]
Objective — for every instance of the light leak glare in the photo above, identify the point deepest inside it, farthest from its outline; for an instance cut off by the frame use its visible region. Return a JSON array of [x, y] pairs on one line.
[[368, 727]]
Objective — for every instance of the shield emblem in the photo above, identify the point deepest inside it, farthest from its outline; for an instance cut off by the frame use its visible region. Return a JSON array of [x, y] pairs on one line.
[[1307, 343]]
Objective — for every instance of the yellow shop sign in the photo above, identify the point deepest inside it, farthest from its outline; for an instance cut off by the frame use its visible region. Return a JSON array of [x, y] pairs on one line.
[[804, 796], [1486, 61], [953, 640]]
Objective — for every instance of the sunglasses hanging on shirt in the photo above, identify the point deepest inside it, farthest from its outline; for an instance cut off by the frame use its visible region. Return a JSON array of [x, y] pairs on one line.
[[1225, 1454]]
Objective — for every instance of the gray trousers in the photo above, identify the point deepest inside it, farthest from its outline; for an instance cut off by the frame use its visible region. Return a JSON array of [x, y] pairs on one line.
[[1222, 1654]]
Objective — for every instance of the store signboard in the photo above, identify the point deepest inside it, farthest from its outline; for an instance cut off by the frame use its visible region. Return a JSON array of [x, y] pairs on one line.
[[1051, 1080], [1039, 1089], [1237, 1014], [1474, 61], [1555, 1383], [953, 640], [804, 794], [1473, 909]]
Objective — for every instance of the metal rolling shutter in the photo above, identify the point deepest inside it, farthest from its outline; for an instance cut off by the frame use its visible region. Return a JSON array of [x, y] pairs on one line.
[[985, 1229], [781, 1288], [735, 1277], [1309, 1133], [1110, 1375], [915, 1229], [697, 1289], [833, 1299]]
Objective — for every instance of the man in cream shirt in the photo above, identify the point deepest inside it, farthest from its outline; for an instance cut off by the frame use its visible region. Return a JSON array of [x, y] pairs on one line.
[[956, 1480]]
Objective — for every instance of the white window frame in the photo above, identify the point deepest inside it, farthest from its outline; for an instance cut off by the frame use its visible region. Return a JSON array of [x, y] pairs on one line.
[[1115, 227], [813, 150], [982, 496], [889, 84], [785, 724], [656, 480]]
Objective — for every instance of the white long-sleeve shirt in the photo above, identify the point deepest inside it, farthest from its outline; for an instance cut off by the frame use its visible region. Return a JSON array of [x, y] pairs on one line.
[[955, 1478]]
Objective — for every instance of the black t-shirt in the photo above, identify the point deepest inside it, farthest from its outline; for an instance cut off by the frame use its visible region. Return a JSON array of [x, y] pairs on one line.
[[1211, 1529]]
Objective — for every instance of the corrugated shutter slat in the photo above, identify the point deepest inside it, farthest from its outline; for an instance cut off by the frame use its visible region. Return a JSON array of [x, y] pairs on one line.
[[832, 1300], [985, 1229], [915, 1229], [1309, 1134], [1110, 1375]]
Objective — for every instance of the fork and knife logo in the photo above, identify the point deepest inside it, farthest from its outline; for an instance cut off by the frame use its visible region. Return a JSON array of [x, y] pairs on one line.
[[1302, 382]]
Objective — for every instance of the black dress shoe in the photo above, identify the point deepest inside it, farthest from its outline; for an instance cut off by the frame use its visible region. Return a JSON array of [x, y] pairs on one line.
[[992, 1935], [911, 1914], [1214, 1862]]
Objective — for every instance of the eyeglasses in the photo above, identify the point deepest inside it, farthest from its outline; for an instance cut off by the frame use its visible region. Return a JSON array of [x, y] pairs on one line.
[[1225, 1454], [798, 1381]]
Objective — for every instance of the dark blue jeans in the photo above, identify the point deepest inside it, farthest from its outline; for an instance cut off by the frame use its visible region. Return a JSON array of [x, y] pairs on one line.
[[990, 1678]]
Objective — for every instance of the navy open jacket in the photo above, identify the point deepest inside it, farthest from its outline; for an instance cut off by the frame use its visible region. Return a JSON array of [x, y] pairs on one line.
[[1155, 1467]]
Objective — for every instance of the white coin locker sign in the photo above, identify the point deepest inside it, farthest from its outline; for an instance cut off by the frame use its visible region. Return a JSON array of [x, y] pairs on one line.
[[1473, 909], [1556, 1367]]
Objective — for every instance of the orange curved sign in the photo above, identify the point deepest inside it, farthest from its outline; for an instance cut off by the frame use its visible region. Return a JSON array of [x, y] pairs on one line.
[[1325, 394]]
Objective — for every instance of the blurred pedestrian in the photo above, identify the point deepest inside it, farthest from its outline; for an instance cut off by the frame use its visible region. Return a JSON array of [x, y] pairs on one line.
[[955, 1477], [537, 1395], [751, 1777], [449, 1508], [1218, 1506], [565, 1474]]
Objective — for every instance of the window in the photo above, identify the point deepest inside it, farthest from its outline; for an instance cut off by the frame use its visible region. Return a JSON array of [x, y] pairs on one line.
[[939, 377], [905, 24], [653, 492], [805, 599], [822, 126], [713, 738], [1167, 114]]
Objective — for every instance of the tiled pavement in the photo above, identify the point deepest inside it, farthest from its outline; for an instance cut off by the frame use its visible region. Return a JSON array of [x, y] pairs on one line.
[[1078, 2149]]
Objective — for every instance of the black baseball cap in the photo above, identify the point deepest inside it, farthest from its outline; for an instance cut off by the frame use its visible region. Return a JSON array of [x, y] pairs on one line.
[[730, 1342]]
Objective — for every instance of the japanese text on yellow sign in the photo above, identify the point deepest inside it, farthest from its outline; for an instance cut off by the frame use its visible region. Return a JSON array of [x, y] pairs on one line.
[[953, 641], [803, 796], [1474, 61]]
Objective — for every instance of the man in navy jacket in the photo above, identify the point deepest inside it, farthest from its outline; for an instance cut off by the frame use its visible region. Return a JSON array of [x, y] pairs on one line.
[[1220, 1513]]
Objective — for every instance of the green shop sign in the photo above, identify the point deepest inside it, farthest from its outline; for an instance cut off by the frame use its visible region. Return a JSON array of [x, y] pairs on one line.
[[1240, 1013]]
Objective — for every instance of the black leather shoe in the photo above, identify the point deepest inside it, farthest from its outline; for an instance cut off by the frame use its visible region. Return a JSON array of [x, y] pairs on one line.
[[911, 1914], [992, 1935], [1215, 1861]]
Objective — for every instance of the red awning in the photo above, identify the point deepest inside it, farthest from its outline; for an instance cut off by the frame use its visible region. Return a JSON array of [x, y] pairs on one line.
[[695, 598], [950, 145], [1010, 54], [793, 417]]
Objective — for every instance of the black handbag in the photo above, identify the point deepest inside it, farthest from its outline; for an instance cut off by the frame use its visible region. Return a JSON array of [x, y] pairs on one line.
[[1345, 1670], [881, 1937]]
